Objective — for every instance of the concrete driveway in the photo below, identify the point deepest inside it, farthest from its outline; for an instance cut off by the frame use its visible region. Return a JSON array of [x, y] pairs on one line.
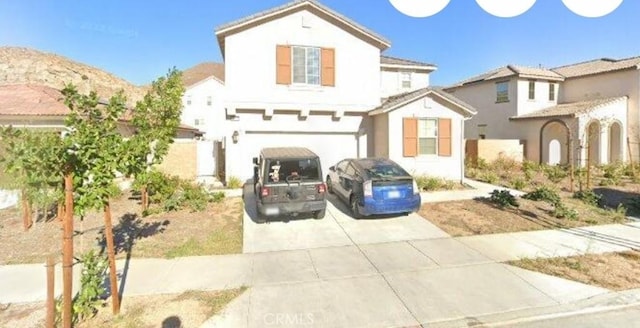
[[337, 228]]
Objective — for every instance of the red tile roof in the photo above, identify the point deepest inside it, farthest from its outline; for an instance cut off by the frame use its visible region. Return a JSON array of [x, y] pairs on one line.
[[29, 99]]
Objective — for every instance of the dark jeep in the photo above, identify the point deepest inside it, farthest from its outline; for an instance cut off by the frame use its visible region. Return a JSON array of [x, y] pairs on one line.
[[288, 181]]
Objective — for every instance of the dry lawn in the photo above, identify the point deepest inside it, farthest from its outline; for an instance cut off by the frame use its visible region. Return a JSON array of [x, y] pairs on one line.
[[217, 230], [478, 217], [189, 309], [615, 271]]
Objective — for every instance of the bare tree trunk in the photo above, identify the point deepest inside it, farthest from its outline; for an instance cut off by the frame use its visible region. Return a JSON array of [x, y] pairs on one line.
[[51, 307], [145, 196], [633, 169], [589, 164], [67, 253], [113, 278], [60, 214], [571, 165]]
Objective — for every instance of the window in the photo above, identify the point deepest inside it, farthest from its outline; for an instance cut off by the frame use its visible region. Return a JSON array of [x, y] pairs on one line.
[[188, 100], [306, 65], [198, 122], [405, 80], [552, 92], [342, 165], [350, 170], [502, 92], [532, 90], [208, 100], [482, 131], [427, 136]]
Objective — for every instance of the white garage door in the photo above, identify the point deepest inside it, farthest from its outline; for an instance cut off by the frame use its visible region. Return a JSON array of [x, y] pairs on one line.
[[331, 147]]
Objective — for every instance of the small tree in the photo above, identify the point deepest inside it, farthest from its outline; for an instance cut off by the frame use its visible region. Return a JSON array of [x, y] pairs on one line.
[[155, 119], [98, 150]]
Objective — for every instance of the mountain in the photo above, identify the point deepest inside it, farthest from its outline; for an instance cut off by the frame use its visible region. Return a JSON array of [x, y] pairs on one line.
[[28, 66]]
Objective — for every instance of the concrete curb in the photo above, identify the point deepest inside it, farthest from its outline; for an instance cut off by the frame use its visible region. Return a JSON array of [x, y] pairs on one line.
[[596, 304]]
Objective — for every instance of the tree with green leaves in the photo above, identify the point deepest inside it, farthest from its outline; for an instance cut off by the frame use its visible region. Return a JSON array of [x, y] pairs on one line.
[[34, 161], [97, 149], [156, 120]]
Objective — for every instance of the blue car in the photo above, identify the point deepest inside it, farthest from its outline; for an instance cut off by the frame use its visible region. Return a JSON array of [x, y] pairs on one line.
[[374, 186]]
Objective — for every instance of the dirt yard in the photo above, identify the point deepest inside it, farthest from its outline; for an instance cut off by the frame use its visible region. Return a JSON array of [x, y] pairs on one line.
[[217, 230], [189, 309], [477, 217], [615, 271]]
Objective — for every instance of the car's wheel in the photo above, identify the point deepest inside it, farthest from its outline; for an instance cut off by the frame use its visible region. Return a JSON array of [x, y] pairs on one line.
[[261, 218], [319, 215], [329, 186], [354, 207]]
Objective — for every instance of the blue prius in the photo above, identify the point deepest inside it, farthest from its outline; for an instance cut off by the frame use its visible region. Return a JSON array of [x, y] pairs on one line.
[[374, 186]]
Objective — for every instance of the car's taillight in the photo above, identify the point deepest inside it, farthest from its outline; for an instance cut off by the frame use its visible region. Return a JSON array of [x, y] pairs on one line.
[[415, 188], [367, 188], [322, 188], [264, 192]]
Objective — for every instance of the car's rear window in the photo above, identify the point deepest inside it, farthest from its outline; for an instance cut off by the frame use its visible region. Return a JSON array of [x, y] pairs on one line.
[[293, 170], [386, 171]]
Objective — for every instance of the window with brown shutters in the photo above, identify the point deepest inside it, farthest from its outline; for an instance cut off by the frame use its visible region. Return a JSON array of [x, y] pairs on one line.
[[427, 136], [410, 137], [444, 137], [328, 71], [283, 65]]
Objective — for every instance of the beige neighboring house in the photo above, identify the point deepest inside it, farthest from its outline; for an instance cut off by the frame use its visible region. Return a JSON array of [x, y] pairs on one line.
[[42, 108], [596, 102], [302, 74]]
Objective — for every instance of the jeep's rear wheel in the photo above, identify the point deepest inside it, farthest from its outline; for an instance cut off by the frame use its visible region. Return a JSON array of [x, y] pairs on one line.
[[329, 186], [261, 218], [319, 215]]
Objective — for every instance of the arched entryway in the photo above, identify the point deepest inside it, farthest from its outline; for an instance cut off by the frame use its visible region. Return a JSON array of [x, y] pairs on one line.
[[615, 142], [593, 143], [554, 142]]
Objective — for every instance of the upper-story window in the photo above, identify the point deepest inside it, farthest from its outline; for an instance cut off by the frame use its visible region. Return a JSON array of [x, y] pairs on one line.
[[532, 90], [208, 100], [502, 92], [405, 80], [552, 92], [306, 65], [188, 100]]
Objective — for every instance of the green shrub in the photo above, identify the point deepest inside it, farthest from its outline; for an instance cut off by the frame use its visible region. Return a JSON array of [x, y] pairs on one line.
[[160, 186], [471, 173], [530, 166], [194, 197], [89, 298], [218, 197], [504, 163], [503, 199], [544, 194], [561, 211], [489, 177], [427, 183], [619, 214], [482, 164], [234, 183], [518, 184], [614, 172], [555, 173], [588, 197]]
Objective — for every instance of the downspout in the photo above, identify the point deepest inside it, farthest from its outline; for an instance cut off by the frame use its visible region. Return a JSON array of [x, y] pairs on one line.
[[463, 145]]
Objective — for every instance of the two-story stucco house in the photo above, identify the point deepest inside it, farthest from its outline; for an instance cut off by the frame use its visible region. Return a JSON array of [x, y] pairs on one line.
[[591, 107], [304, 75]]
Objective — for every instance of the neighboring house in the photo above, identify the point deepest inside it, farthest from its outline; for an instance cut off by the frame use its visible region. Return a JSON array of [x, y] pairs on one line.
[[203, 109], [304, 75], [42, 108], [592, 107]]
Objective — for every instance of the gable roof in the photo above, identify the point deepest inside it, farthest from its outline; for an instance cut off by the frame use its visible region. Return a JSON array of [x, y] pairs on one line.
[[395, 62], [510, 71], [394, 102], [597, 66], [31, 100], [295, 6], [573, 109], [201, 72]]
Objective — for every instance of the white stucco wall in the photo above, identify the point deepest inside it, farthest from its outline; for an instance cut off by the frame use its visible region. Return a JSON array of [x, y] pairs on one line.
[[250, 67], [391, 82], [541, 100], [213, 115], [622, 83], [482, 96], [447, 167]]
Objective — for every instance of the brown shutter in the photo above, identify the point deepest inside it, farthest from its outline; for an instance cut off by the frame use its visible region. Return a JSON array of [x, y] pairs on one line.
[[410, 137], [283, 65], [328, 70], [444, 137]]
